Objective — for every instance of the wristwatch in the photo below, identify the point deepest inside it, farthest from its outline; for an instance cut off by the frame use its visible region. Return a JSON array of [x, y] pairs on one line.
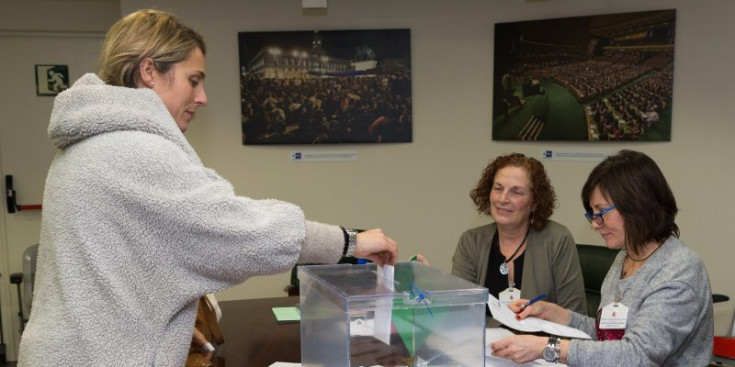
[[552, 350], [351, 242]]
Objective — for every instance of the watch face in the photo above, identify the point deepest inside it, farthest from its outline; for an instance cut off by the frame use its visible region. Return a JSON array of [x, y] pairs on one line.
[[550, 354]]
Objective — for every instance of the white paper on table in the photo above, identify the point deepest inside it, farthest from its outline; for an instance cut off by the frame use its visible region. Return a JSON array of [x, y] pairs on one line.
[[291, 364], [531, 324], [384, 306], [494, 334]]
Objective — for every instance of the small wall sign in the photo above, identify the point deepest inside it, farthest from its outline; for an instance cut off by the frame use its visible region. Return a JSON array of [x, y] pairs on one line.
[[51, 79]]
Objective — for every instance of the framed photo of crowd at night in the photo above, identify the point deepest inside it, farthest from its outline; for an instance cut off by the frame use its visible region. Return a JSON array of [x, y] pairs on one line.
[[593, 78], [326, 87]]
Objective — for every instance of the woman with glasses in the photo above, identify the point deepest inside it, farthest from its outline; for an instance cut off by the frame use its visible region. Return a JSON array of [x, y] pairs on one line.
[[522, 253], [656, 307]]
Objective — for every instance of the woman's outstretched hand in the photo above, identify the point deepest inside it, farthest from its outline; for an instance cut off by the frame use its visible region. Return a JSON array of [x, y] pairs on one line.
[[375, 246]]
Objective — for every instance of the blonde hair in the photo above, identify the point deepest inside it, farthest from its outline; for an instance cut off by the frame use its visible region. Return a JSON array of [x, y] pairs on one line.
[[142, 34]]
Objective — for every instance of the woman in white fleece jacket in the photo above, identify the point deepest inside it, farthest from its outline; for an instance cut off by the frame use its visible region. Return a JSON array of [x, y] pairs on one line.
[[135, 229]]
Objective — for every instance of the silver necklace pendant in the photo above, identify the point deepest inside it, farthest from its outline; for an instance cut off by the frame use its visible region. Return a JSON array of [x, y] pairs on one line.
[[504, 268]]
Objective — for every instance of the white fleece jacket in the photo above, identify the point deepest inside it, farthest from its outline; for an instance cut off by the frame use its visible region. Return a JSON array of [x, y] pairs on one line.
[[135, 229]]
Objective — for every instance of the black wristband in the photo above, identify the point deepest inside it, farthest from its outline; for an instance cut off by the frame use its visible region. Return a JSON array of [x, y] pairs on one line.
[[347, 241]]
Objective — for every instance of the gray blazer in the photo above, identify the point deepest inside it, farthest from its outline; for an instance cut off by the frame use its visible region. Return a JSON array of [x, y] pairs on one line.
[[550, 264], [670, 318]]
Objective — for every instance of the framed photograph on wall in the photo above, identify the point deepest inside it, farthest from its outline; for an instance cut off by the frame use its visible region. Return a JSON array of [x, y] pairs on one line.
[[593, 78], [326, 87]]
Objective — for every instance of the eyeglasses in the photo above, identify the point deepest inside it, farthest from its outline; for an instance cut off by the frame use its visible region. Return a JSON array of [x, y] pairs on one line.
[[598, 217]]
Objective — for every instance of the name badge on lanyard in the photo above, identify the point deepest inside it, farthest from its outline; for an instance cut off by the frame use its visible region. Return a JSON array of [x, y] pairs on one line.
[[511, 294], [614, 316]]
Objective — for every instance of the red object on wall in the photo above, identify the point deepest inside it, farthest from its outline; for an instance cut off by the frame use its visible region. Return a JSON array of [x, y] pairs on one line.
[[724, 347]]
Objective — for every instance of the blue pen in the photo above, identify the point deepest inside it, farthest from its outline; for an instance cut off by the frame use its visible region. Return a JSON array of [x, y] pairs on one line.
[[533, 301]]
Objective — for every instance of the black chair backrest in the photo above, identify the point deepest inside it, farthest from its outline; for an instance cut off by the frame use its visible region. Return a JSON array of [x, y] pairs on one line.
[[293, 287], [26, 279], [595, 262]]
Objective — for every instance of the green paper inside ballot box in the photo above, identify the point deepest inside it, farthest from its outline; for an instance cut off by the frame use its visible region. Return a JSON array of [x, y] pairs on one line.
[[361, 315]]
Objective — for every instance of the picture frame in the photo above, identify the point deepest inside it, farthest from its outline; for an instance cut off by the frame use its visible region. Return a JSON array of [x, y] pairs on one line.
[[326, 87], [592, 78]]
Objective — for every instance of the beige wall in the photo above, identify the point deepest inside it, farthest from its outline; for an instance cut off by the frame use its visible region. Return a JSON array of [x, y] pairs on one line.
[[418, 192]]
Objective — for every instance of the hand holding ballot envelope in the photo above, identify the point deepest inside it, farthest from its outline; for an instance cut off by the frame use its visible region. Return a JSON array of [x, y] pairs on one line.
[[375, 246]]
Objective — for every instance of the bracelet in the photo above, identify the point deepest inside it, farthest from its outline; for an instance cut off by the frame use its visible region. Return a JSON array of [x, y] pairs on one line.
[[350, 242], [207, 348]]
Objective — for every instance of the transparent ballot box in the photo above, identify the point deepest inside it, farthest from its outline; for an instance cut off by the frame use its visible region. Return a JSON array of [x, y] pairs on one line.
[[364, 315]]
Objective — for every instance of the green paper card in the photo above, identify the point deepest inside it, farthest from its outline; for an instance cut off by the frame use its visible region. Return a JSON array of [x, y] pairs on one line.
[[286, 315]]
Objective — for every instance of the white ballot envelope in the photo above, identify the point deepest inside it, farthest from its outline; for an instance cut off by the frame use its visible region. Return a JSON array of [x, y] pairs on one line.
[[505, 316], [384, 306]]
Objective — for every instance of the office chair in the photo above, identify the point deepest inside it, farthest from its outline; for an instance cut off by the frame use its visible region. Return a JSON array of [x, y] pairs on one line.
[[723, 353], [27, 278], [3, 350], [292, 289], [595, 261]]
